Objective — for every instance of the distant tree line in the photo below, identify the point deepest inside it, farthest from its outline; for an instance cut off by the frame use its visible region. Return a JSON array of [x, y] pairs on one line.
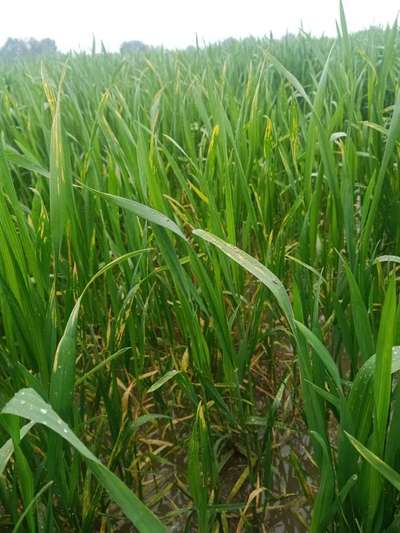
[[132, 47], [18, 48], [22, 48]]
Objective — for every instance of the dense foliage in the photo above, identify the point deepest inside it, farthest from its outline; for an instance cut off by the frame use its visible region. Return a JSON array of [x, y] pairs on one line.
[[185, 366]]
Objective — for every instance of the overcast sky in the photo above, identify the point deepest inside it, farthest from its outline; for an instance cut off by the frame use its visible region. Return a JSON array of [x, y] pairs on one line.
[[174, 23]]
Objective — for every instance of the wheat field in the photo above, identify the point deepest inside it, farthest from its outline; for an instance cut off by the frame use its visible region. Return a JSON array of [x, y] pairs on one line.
[[199, 293]]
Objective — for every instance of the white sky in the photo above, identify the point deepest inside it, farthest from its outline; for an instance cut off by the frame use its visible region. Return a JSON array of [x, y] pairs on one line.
[[174, 23]]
